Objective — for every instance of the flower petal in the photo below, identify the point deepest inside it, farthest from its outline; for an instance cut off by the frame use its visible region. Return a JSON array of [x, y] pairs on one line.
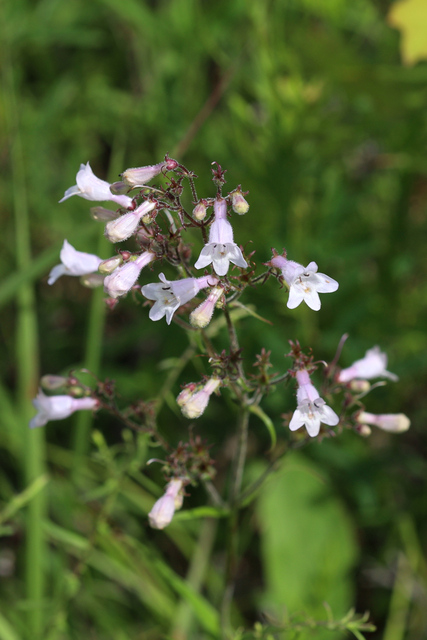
[[295, 298], [297, 420], [325, 284], [311, 298], [205, 257], [328, 416], [55, 273]]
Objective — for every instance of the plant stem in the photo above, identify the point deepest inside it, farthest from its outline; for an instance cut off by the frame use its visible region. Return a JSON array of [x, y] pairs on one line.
[[27, 365], [232, 533], [92, 360], [95, 329], [240, 457], [195, 575]]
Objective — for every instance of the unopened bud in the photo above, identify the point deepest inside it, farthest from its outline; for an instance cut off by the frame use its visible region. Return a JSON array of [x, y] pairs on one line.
[[122, 279], [110, 265], [92, 280], [139, 176], [149, 217], [51, 383], [102, 214], [360, 386], [392, 422], [76, 391], [143, 236], [238, 203], [186, 393], [199, 211], [125, 226], [196, 404], [202, 315], [364, 430], [119, 188], [163, 510]]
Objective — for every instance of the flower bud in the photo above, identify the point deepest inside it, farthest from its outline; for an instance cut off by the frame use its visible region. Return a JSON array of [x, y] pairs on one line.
[[202, 315], [199, 211], [51, 383], [364, 430], [163, 510], [392, 422], [102, 214], [238, 202], [196, 404], [110, 265], [144, 237], [119, 188], [92, 280], [122, 279], [125, 226], [139, 176], [186, 393], [360, 386]]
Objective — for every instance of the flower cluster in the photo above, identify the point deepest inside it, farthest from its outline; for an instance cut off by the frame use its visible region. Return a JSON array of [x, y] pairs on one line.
[[156, 222]]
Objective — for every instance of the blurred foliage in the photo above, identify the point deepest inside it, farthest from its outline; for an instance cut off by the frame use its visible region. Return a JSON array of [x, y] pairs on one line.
[[308, 106]]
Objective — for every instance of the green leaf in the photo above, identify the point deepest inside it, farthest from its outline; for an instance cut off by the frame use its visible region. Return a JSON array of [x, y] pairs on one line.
[[307, 542], [201, 512], [6, 631], [23, 498]]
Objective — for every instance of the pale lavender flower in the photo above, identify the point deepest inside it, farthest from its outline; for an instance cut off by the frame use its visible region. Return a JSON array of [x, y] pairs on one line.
[[123, 278], [139, 176], [123, 227], [73, 263], [373, 365], [221, 250], [170, 295], [194, 404], [92, 188], [58, 407], [311, 409], [392, 422], [304, 283], [163, 510]]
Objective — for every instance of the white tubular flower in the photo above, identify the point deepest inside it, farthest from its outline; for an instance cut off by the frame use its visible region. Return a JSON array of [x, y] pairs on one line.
[[221, 250], [202, 315], [194, 405], [58, 407], [73, 263], [163, 510], [123, 227], [92, 188], [311, 410], [170, 295], [391, 422], [124, 277], [304, 283], [373, 365], [139, 176]]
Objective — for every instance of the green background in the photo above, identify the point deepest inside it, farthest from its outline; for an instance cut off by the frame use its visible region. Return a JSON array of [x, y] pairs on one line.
[[308, 106]]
